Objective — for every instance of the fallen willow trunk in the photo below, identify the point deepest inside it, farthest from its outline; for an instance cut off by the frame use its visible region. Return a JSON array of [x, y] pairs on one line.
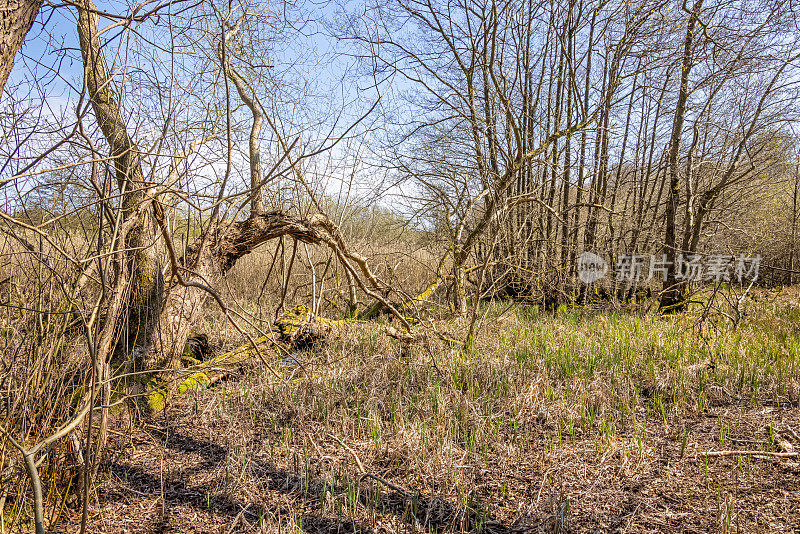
[[295, 329], [208, 260]]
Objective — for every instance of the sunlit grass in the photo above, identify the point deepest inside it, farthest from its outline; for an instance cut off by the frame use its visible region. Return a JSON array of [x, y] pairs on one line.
[[533, 381]]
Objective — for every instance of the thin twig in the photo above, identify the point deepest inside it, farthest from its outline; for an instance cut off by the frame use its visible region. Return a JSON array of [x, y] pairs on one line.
[[352, 452], [766, 454]]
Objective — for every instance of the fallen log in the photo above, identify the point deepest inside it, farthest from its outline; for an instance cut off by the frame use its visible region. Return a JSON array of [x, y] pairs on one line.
[[293, 330], [296, 329]]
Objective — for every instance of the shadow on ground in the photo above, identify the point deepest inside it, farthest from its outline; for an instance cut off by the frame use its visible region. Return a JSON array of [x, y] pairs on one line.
[[418, 512]]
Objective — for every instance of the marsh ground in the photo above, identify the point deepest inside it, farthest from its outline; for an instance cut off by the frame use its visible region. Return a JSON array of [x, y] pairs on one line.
[[567, 421]]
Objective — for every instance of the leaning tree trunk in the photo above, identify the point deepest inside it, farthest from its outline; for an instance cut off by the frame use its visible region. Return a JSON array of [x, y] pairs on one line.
[[214, 253], [16, 18], [140, 254], [209, 258]]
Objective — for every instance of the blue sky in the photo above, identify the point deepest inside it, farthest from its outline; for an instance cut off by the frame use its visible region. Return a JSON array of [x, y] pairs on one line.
[[51, 56]]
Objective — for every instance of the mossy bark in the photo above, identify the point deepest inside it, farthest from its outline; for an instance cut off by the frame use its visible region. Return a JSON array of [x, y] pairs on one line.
[[139, 227]]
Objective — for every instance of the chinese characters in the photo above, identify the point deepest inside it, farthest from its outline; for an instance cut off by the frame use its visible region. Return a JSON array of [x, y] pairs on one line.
[[690, 268]]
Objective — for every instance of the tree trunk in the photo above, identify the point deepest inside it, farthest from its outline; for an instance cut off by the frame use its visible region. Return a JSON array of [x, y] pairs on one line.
[[673, 294], [209, 259], [576, 220], [459, 281], [139, 253], [795, 217], [16, 18]]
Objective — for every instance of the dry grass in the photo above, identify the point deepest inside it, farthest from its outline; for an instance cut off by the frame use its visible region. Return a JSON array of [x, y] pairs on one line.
[[567, 422], [406, 268]]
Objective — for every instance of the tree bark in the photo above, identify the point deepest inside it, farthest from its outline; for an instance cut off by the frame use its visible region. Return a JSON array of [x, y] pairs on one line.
[[140, 254], [672, 295], [16, 18], [256, 198]]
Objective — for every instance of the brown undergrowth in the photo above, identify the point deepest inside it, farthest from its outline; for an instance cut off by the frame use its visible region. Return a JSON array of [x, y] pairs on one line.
[[571, 421]]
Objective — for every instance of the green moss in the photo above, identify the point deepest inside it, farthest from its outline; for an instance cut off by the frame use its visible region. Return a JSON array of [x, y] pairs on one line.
[[291, 320], [195, 381], [156, 396]]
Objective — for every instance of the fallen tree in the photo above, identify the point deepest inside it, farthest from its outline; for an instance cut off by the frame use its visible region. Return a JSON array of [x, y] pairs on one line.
[[295, 329], [163, 312]]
